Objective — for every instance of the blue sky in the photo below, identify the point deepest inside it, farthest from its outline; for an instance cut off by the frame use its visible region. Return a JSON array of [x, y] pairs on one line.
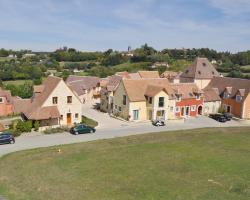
[[101, 24]]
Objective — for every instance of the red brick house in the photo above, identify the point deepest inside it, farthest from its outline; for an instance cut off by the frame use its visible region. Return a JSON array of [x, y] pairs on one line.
[[189, 100], [6, 103]]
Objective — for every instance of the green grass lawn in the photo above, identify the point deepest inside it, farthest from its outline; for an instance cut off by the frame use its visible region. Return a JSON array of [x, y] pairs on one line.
[[89, 122], [209, 164]]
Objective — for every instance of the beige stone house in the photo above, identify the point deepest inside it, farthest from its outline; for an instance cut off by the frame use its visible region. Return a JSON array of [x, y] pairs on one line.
[[53, 104], [112, 82], [86, 87], [212, 101], [144, 99], [200, 72]]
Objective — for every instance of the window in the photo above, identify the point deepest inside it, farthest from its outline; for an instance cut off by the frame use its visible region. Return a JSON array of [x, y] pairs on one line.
[[115, 106], [120, 108], [193, 108], [161, 102], [204, 64], [150, 100], [54, 100], [171, 109], [238, 98], [198, 97], [199, 72], [177, 109], [69, 99], [124, 99], [61, 117], [1, 100], [178, 98], [76, 115], [135, 114], [225, 95]]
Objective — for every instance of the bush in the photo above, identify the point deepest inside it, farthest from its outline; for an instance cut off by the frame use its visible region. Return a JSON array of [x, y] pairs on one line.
[[56, 130], [23, 126], [221, 110], [36, 125]]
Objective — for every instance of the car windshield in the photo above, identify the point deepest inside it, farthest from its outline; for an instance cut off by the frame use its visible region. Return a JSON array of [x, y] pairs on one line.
[[3, 136]]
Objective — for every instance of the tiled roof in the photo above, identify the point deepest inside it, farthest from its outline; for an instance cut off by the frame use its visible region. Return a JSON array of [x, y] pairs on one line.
[[149, 74], [201, 68], [211, 95], [136, 89], [232, 85], [81, 83], [7, 95], [186, 90]]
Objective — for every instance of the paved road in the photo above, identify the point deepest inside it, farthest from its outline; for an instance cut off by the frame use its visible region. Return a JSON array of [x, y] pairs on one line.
[[35, 140]]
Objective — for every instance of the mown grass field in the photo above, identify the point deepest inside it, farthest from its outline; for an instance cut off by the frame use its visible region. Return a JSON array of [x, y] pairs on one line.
[[209, 164], [16, 82]]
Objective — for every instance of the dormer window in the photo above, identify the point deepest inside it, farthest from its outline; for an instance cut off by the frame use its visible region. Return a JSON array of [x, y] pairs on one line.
[[213, 72], [186, 71], [199, 72], [238, 98], [204, 64], [198, 96], [225, 95], [178, 97]]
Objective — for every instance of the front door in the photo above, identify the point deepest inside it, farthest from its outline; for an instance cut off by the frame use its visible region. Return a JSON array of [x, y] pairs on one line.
[[182, 111], [187, 111], [69, 119], [135, 114]]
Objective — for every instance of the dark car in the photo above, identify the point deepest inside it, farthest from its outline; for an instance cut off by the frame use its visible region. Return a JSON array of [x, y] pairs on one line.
[[7, 138], [218, 117], [228, 116], [81, 129], [158, 123]]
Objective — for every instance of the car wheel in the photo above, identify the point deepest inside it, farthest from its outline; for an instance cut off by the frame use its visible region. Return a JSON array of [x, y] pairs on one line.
[[12, 142]]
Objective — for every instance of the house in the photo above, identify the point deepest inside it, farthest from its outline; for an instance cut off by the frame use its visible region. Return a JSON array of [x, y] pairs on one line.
[[144, 99], [173, 77], [160, 64], [6, 103], [112, 82], [234, 93], [86, 87], [53, 104], [189, 100], [200, 72], [212, 101], [107, 93]]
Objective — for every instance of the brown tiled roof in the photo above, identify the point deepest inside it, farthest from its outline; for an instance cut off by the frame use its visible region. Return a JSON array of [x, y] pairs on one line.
[[113, 82], [149, 74], [233, 85], [81, 83], [42, 113], [124, 74], [186, 90], [211, 95], [201, 68], [136, 89], [21, 105], [169, 74]]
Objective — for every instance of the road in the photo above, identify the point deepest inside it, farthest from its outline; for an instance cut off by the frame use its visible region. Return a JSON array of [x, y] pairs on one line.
[[36, 140]]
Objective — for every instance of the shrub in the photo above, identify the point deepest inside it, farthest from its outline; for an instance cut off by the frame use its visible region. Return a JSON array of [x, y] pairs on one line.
[[36, 125], [23, 126], [221, 110], [56, 130]]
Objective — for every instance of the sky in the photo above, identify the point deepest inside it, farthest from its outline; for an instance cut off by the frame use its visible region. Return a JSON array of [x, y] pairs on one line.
[[97, 25]]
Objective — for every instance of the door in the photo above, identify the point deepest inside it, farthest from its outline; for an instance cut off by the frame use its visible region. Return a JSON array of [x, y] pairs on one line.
[[69, 119], [187, 111], [228, 109], [135, 114], [182, 111]]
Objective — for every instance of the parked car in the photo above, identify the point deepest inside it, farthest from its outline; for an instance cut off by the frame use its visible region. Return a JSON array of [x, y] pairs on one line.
[[158, 123], [81, 129], [7, 138], [228, 116], [218, 117]]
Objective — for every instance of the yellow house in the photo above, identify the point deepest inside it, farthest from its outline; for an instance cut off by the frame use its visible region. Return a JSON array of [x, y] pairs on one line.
[[144, 99]]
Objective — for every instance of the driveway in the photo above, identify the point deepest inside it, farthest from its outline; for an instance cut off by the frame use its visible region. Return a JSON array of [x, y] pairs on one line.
[[35, 140], [103, 119]]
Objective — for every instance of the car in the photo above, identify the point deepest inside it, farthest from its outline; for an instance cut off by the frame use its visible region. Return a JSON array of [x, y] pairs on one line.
[[228, 116], [7, 138], [158, 123], [218, 117], [81, 129]]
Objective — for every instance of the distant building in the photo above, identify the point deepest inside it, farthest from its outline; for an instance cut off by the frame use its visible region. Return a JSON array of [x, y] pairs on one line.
[[173, 77], [28, 55], [160, 64], [200, 72], [6, 103]]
